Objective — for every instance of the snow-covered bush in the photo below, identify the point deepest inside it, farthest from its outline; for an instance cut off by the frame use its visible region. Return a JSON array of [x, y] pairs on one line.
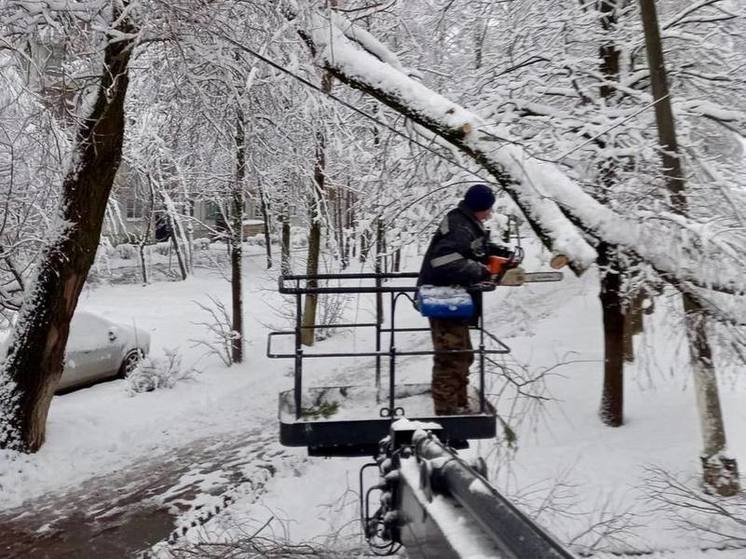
[[126, 251], [203, 243], [331, 311], [105, 248], [220, 328], [298, 236], [152, 374], [163, 248], [256, 240]]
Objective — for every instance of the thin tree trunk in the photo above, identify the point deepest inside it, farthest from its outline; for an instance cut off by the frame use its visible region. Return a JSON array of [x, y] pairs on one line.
[[720, 471], [267, 235], [633, 323], [364, 246], [189, 239], [285, 241], [314, 235], [236, 238], [612, 398], [378, 264], [170, 215], [29, 375], [312, 269], [146, 233], [177, 248], [339, 227], [349, 223], [143, 266], [396, 257]]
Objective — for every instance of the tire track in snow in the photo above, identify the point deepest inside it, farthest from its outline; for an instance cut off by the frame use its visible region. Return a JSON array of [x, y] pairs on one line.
[[126, 512]]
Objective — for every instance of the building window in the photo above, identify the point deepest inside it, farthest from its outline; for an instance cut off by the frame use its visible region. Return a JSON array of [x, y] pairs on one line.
[[256, 211], [135, 209], [212, 211]]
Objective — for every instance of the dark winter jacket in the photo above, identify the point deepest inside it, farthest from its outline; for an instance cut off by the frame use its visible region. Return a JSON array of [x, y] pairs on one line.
[[458, 252]]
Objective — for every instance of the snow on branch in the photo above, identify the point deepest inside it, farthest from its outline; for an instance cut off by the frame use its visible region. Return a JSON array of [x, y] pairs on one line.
[[360, 69], [683, 16], [710, 110], [563, 215], [366, 41]]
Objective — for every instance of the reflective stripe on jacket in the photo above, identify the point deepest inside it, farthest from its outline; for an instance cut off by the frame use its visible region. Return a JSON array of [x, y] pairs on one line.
[[458, 251]]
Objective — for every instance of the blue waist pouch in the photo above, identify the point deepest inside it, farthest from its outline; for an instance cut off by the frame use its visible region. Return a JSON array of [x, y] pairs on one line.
[[434, 301]]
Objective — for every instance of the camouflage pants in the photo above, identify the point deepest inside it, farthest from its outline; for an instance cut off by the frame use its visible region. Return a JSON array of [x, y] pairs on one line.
[[450, 371]]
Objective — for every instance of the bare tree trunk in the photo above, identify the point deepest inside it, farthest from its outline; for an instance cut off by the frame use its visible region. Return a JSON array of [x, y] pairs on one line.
[[633, 323], [189, 238], [236, 238], [314, 235], [378, 264], [612, 398], [29, 375], [349, 224], [267, 236], [396, 265], [339, 227], [146, 233], [285, 241], [312, 268], [173, 225], [365, 244], [720, 471]]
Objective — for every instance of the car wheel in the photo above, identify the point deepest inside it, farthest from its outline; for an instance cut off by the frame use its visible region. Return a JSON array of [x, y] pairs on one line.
[[130, 361]]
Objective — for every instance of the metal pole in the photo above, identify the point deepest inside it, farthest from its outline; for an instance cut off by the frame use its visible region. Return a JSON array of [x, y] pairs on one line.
[[379, 322], [481, 357], [392, 358], [298, 356]]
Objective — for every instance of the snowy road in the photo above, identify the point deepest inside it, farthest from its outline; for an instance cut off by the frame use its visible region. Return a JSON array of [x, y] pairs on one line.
[[120, 514], [120, 472]]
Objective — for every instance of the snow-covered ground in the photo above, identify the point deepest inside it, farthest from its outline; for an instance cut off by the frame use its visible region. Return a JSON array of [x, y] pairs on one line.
[[580, 477]]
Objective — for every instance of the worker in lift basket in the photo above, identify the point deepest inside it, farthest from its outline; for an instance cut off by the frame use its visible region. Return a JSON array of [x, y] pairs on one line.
[[457, 255]]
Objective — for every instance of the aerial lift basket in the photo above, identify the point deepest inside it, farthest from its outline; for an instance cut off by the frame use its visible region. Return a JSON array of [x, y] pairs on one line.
[[351, 420]]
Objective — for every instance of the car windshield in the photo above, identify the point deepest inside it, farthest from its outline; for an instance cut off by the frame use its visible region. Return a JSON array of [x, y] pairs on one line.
[[87, 331]]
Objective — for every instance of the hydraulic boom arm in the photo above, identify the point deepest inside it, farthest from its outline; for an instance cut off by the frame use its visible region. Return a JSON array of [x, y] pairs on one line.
[[437, 505]]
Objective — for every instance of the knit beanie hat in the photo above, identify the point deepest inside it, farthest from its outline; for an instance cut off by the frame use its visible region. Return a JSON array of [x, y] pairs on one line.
[[479, 197]]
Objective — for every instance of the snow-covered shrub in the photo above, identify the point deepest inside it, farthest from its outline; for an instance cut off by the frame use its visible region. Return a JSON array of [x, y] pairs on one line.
[[102, 262], [105, 248], [298, 236], [331, 310], [255, 240], [152, 374], [163, 248], [248, 538], [203, 243], [220, 329], [126, 251]]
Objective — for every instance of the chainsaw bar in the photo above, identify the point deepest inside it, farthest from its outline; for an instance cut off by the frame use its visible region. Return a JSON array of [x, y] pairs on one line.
[[537, 277]]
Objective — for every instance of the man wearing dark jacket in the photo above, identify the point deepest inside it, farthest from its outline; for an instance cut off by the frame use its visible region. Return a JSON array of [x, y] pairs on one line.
[[457, 255]]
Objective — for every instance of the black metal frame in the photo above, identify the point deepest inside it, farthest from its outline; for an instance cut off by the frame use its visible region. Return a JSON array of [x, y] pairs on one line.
[[395, 292]]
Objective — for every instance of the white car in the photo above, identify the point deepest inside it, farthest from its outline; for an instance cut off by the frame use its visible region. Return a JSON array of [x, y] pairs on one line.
[[98, 349]]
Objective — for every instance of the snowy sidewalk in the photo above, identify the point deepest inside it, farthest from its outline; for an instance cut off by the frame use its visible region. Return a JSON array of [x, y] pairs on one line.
[[126, 512]]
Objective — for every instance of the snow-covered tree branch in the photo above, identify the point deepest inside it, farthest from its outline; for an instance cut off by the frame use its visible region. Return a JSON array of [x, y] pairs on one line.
[[564, 216]]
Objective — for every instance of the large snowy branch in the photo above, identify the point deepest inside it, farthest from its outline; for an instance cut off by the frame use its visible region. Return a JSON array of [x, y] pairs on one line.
[[562, 214], [360, 64]]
